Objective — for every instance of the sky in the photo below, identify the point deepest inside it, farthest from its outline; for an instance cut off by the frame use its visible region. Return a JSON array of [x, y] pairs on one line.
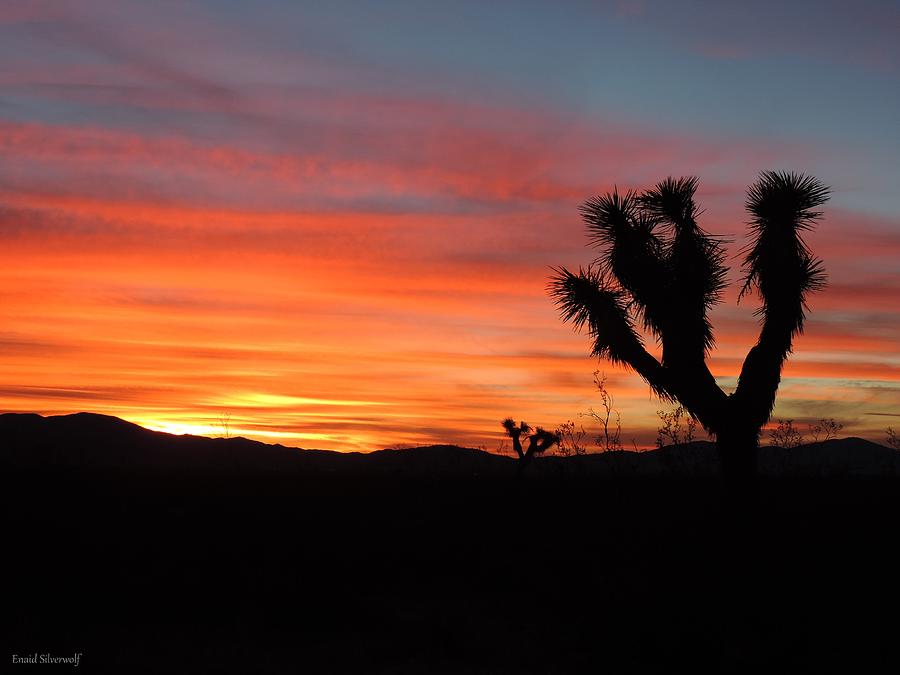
[[332, 224]]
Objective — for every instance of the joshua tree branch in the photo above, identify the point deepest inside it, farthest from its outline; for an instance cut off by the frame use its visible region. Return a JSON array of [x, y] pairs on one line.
[[540, 442], [589, 299], [631, 252], [694, 268], [515, 432], [780, 267], [517, 446]]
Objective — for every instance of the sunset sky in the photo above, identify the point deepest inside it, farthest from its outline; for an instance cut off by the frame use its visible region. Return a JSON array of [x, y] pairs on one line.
[[335, 220]]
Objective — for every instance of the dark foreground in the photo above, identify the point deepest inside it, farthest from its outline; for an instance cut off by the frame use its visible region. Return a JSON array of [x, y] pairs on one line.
[[247, 572]]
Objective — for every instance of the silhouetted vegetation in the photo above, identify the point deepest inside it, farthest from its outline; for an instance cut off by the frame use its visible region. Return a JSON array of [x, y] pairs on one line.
[[825, 429], [893, 440], [677, 427], [607, 419], [786, 435], [571, 439], [224, 421], [538, 442], [659, 271]]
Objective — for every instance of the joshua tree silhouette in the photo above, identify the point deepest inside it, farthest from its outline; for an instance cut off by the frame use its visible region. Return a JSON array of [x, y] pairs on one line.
[[659, 268], [538, 442]]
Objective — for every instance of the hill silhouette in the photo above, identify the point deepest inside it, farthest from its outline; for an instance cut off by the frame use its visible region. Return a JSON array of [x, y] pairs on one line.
[[86, 440], [153, 553]]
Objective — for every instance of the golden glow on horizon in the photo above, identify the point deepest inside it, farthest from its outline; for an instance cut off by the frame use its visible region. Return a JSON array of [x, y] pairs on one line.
[[221, 429], [259, 400]]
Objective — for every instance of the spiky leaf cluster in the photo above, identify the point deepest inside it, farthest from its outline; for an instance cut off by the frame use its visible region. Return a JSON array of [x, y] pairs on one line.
[[541, 441], [778, 264], [695, 261], [515, 431], [592, 299], [655, 265]]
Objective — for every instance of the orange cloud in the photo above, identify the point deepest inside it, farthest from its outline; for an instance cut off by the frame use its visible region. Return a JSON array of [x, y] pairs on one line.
[[367, 290]]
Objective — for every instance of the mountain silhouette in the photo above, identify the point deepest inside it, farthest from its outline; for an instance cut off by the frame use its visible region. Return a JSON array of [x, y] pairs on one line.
[[150, 552], [91, 441]]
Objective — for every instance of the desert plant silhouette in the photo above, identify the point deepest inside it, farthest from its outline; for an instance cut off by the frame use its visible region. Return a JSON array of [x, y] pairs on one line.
[[657, 267], [670, 430], [786, 435], [825, 429], [538, 442]]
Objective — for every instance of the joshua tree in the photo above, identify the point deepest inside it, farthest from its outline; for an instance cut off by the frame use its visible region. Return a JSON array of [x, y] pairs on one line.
[[658, 268], [538, 442]]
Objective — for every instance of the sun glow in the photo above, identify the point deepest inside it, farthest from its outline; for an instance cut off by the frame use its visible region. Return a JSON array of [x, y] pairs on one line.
[[229, 428], [263, 400], [180, 428]]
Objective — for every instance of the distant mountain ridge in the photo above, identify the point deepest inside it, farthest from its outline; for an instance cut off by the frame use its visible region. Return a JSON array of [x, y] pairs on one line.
[[88, 441]]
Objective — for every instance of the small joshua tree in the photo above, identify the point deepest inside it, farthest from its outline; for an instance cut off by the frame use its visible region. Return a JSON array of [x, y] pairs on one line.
[[538, 442], [659, 269]]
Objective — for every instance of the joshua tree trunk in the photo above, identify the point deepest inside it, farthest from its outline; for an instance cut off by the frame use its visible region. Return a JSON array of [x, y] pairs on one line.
[[738, 449]]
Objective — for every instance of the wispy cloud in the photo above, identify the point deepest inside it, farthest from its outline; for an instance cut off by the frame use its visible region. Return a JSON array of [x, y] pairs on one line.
[[197, 213]]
